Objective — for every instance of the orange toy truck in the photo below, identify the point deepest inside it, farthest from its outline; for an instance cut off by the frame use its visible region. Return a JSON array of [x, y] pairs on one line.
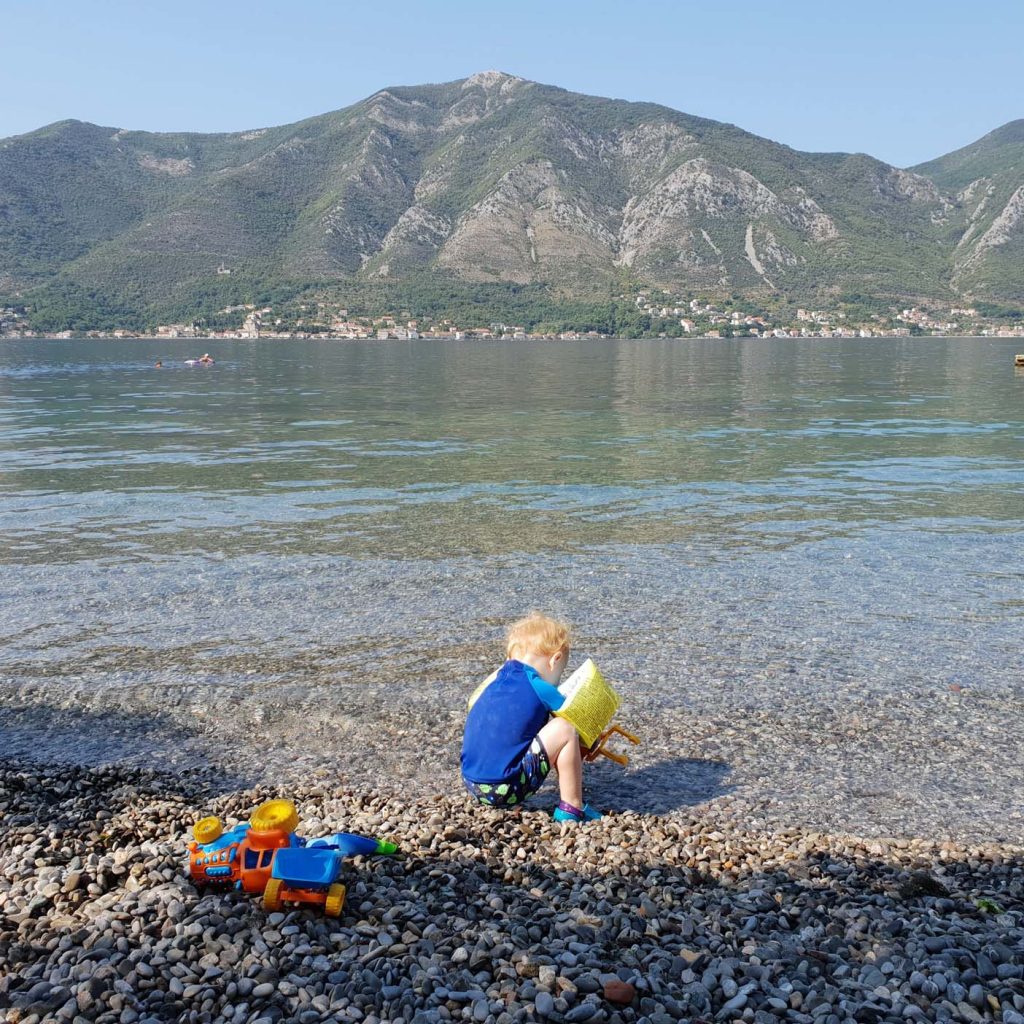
[[266, 856]]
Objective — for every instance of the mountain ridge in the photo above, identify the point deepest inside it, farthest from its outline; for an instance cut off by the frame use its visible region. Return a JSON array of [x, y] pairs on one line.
[[496, 180]]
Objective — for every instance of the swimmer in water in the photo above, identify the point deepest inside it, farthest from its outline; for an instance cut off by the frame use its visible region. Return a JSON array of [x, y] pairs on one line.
[[206, 358], [159, 364]]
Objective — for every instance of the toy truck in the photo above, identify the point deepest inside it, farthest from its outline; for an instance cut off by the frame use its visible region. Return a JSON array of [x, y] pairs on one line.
[[305, 875], [266, 856], [309, 874]]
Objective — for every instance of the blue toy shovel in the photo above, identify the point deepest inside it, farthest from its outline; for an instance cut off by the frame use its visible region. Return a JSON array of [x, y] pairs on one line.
[[348, 844]]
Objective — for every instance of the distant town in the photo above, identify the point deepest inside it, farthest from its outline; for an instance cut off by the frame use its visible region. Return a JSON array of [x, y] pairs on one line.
[[667, 316]]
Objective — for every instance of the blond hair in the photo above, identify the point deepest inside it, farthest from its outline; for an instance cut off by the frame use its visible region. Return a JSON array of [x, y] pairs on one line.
[[537, 634]]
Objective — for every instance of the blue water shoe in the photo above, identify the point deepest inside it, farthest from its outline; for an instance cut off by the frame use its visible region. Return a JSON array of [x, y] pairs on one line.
[[566, 812]]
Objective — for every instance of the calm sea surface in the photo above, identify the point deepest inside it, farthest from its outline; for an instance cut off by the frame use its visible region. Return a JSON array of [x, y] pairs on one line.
[[732, 521]]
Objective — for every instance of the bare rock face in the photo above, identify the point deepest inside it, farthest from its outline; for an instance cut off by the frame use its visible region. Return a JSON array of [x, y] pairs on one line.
[[983, 252], [807, 214], [648, 152], [695, 222], [913, 186], [166, 165], [528, 227], [395, 113], [482, 94], [415, 239], [1006, 225]]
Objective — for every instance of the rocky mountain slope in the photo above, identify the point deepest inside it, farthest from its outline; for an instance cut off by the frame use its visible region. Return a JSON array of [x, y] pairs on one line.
[[986, 181], [494, 178]]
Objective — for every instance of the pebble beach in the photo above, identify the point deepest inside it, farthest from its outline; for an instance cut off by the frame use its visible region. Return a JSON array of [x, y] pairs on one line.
[[492, 917]]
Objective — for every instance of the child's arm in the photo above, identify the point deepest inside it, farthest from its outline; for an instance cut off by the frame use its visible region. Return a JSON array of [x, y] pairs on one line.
[[547, 694]]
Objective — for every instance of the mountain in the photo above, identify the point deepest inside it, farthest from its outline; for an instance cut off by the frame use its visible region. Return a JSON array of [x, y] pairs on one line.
[[492, 180], [986, 180]]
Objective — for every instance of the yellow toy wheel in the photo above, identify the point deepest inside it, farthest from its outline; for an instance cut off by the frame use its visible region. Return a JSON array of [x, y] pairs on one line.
[[335, 900], [275, 816], [206, 830], [272, 895]]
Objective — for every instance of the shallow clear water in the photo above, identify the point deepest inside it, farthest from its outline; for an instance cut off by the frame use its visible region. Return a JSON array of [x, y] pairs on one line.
[[734, 524]]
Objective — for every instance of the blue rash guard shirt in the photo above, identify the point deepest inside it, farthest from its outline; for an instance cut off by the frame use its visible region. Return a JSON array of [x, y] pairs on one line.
[[503, 722]]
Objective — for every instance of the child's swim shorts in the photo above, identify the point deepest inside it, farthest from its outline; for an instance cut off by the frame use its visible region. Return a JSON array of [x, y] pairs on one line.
[[527, 779]]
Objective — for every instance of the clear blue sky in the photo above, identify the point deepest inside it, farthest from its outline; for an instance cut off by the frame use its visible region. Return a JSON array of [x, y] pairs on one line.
[[904, 80]]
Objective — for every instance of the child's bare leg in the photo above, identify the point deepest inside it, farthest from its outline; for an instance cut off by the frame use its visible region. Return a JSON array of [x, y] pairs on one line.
[[563, 747]]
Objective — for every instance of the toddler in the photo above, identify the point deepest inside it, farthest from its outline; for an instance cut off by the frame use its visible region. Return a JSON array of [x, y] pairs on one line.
[[512, 739]]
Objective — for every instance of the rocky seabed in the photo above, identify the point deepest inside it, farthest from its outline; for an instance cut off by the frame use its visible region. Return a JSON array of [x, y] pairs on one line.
[[494, 918]]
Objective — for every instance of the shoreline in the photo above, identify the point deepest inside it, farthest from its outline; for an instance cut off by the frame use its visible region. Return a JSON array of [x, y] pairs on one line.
[[922, 763], [492, 917], [532, 337]]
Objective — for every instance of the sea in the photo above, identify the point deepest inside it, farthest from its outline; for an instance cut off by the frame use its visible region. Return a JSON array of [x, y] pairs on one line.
[[308, 532]]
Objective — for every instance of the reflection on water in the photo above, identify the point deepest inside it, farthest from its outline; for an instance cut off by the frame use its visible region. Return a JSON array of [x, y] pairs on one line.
[[307, 496]]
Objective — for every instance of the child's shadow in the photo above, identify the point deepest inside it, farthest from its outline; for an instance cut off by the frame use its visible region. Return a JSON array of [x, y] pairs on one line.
[[658, 788]]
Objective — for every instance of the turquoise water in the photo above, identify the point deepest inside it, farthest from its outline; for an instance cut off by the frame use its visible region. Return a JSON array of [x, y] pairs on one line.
[[811, 514]]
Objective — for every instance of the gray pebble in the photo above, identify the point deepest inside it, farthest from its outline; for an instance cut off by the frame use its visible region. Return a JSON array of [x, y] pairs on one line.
[[581, 1012], [544, 1004]]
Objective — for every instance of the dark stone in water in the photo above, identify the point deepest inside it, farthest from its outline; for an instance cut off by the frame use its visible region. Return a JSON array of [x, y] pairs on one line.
[[919, 884]]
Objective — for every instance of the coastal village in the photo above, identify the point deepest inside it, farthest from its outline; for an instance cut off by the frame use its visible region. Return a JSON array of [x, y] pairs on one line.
[[667, 316]]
